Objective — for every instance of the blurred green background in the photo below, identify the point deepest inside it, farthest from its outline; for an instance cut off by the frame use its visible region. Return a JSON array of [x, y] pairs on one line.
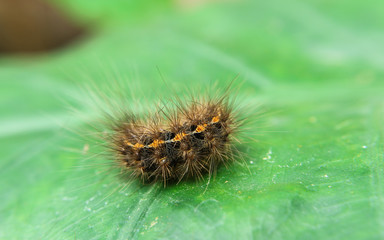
[[316, 171]]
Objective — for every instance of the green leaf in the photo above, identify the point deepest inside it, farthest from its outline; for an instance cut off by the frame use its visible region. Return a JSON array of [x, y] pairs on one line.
[[316, 171]]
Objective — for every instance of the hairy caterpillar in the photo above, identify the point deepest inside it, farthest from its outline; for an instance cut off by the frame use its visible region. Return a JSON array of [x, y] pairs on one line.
[[194, 139], [183, 138]]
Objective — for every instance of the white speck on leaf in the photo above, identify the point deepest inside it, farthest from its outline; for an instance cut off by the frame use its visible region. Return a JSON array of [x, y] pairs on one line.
[[268, 156], [153, 223]]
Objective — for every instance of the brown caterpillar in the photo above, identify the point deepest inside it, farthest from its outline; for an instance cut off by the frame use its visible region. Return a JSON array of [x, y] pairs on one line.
[[191, 138]]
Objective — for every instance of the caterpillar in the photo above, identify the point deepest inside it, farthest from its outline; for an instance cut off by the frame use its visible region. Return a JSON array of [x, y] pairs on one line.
[[194, 139], [184, 138]]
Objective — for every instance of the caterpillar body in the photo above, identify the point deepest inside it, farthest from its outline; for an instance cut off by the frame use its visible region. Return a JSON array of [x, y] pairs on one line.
[[192, 138]]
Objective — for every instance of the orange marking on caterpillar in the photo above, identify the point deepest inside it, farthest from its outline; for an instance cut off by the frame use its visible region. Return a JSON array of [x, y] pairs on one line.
[[127, 143], [179, 136], [138, 145], [200, 128], [215, 119], [156, 143]]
